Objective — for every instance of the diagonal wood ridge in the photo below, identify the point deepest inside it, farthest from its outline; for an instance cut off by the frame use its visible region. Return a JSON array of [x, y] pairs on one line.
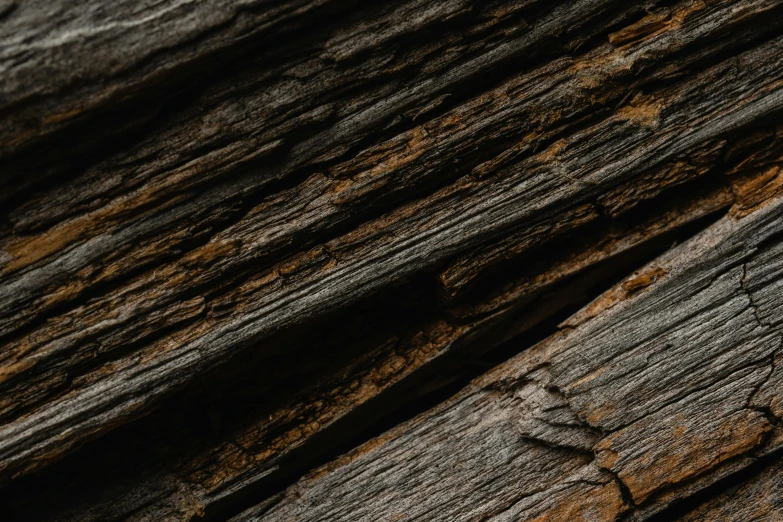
[[408, 260]]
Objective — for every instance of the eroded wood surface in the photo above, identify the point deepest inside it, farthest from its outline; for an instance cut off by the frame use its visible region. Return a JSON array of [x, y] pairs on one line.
[[232, 237], [663, 383]]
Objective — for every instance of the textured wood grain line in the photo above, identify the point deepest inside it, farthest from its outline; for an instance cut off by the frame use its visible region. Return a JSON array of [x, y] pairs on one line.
[[214, 204], [59, 61], [252, 454], [627, 410], [408, 240], [256, 124]]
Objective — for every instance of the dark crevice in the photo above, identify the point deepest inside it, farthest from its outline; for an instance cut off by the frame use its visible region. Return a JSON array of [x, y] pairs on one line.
[[773, 239], [745, 474], [426, 389], [213, 64], [679, 196], [270, 373], [249, 201], [452, 371], [240, 206], [729, 473], [625, 493], [230, 391], [575, 43]]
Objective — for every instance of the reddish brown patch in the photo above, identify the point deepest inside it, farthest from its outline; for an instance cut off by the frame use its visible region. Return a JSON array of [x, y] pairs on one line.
[[60, 117], [606, 301], [651, 24], [656, 22], [754, 190], [643, 280], [28, 250], [209, 253], [15, 368], [690, 450], [587, 504], [644, 110]]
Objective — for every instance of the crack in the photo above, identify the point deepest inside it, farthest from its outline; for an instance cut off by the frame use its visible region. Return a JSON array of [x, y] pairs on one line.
[[539, 376], [704, 385], [744, 474], [567, 448], [599, 433], [766, 410], [701, 485], [753, 305], [551, 388], [625, 492]]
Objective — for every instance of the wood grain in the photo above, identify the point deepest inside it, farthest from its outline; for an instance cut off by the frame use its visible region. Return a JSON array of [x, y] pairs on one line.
[[660, 384], [235, 240]]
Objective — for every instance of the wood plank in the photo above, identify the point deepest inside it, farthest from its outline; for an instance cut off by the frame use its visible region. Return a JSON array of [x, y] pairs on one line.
[[205, 215], [412, 238], [645, 395]]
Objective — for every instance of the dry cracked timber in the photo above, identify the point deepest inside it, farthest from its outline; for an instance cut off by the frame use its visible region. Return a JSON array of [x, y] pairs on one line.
[[426, 259]]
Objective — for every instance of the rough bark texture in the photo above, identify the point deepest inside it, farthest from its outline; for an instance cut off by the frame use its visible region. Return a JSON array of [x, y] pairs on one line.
[[240, 241]]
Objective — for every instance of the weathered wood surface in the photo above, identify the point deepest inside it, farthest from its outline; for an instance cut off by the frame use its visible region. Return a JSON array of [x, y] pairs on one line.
[[662, 384], [218, 207]]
